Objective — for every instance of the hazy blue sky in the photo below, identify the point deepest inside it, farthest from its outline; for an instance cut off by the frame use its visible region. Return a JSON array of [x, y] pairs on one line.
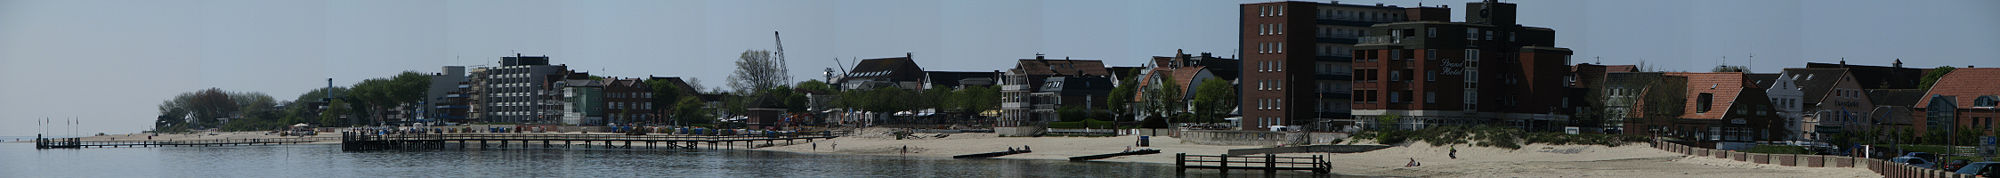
[[111, 62]]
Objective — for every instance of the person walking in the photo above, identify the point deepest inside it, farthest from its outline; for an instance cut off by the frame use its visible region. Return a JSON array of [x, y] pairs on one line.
[[1454, 152]]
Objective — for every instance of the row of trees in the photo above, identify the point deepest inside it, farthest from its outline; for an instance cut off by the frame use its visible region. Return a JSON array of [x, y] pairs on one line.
[[367, 102], [1213, 99]]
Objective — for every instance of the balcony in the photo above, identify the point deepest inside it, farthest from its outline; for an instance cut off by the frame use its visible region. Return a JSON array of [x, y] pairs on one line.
[[1333, 76], [1015, 87], [1334, 94], [1381, 40], [1014, 105], [1350, 23], [1340, 40], [1334, 58]]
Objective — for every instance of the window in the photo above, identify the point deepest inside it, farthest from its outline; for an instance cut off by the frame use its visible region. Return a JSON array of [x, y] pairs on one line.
[[1395, 97], [1431, 77], [1703, 101], [1280, 104], [1471, 33], [1430, 97], [1281, 30], [1489, 35], [1395, 76], [1432, 32], [1510, 36], [1395, 54], [1264, 11], [1281, 47], [1431, 54]]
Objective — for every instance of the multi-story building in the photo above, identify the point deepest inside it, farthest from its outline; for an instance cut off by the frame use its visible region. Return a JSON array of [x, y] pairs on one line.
[[1785, 96], [1831, 99], [517, 91], [446, 101], [1963, 99], [1487, 70], [627, 101], [1018, 101], [900, 72], [582, 101], [1588, 90], [1321, 39], [1186, 71]]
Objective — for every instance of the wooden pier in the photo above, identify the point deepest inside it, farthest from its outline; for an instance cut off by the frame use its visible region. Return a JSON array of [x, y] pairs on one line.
[[431, 141], [73, 143], [1271, 164]]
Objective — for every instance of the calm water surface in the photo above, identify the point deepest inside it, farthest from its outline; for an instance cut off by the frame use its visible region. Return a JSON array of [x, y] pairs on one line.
[[22, 160]]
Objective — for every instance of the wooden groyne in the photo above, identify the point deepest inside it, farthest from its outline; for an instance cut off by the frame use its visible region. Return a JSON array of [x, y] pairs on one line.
[[434, 141], [74, 143], [1271, 164]]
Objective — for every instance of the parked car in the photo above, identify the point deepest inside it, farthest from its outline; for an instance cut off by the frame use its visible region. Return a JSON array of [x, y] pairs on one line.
[[1919, 159], [1988, 169], [1954, 164]]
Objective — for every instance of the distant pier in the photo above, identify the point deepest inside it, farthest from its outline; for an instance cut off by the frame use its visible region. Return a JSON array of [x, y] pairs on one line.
[[435, 141], [74, 143]]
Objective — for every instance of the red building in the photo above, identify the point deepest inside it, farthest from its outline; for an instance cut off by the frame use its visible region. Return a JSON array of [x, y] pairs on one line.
[[1972, 93], [1297, 59], [1487, 70]]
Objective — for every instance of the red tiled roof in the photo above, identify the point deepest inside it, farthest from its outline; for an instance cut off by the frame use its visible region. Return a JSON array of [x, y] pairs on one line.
[[1724, 86], [1966, 84]]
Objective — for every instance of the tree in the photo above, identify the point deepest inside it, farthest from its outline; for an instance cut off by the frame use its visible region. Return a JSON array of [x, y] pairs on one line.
[[1120, 101], [1932, 77], [1165, 98], [209, 105], [1730, 68], [379, 95], [757, 70], [1213, 98], [333, 116]]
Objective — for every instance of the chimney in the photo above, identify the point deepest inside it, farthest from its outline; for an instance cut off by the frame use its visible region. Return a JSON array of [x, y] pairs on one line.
[[906, 55], [1038, 56], [1899, 63]]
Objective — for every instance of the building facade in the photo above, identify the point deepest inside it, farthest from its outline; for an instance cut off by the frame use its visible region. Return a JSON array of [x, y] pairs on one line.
[[446, 101], [628, 101], [1321, 39], [1028, 77], [1487, 70], [517, 91], [1963, 99]]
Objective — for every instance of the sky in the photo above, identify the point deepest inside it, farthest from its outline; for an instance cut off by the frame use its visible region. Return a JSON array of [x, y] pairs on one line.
[[109, 63]]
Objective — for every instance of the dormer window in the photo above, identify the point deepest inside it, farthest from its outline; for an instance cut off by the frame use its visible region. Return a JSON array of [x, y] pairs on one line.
[[1987, 101]]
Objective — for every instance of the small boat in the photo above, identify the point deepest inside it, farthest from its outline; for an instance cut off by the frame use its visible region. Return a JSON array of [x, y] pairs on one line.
[[1126, 153], [992, 154]]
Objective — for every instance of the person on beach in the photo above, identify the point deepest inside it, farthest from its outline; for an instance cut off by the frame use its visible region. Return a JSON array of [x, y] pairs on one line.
[[1454, 152], [906, 149], [815, 146], [1413, 163]]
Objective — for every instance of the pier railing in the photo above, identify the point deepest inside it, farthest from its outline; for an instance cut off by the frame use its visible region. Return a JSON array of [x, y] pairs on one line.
[[50, 143], [363, 141], [1270, 163]]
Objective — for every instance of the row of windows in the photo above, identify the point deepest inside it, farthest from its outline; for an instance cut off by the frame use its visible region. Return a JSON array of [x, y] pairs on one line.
[[1338, 14], [1270, 48], [1266, 121], [1271, 104], [1271, 29], [1270, 66], [1270, 85], [1333, 31], [1270, 11]]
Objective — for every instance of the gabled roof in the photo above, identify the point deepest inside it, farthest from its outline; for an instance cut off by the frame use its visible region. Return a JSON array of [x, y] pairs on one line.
[[1762, 80], [677, 83], [1815, 83], [1895, 97], [894, 69], [1879, 77], [951, 78], [1068, 67], [1966, 84], [1723, 87]]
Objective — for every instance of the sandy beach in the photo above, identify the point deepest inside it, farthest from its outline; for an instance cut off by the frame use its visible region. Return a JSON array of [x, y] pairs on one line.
[[1529, 161]]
